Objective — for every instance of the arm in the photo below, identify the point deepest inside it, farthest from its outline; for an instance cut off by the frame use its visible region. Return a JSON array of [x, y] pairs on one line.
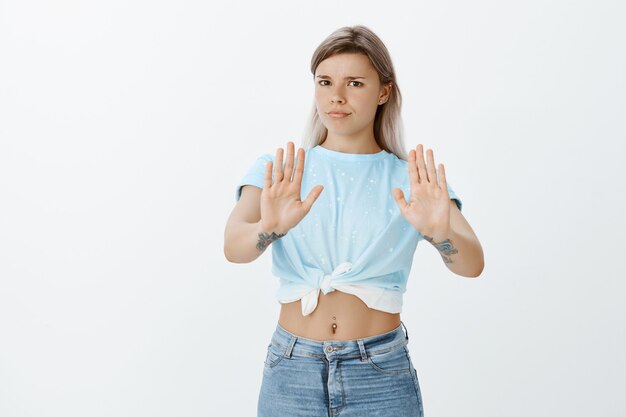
[[244, 239], [458, 246]]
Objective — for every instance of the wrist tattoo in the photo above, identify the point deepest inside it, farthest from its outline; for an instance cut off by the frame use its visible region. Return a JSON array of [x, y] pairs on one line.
[[444, 247], [266, 238]]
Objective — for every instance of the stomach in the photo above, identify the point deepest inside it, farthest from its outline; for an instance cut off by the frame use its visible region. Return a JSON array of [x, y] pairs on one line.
[[338, 316]]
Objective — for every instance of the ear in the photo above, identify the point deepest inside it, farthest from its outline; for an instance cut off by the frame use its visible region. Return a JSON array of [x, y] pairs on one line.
[[385, 91]]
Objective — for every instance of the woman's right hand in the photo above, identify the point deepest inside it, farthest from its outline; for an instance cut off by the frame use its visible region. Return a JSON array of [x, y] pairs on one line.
[[281, 207]]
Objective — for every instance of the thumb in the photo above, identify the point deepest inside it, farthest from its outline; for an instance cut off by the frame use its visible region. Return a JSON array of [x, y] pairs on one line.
[[310, 199], [399, 197]]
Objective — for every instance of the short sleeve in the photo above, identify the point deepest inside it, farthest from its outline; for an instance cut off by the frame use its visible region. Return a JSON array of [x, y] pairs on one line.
[[255, 174], [454, 197]]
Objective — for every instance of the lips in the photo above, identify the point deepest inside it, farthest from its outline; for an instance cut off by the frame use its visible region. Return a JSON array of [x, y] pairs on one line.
[[338, 114]]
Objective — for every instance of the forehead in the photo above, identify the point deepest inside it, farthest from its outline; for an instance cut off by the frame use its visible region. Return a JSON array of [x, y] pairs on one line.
[[346, 64]]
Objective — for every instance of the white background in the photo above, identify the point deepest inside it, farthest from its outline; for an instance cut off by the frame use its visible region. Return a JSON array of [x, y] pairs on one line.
[[125, 126]]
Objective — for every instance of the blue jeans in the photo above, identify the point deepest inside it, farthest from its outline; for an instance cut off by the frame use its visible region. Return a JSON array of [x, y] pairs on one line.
[[373, 376]]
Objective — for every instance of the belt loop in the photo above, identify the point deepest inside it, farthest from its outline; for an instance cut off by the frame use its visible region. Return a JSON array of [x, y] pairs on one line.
[[290, 346], [407, 332], [362, 349]]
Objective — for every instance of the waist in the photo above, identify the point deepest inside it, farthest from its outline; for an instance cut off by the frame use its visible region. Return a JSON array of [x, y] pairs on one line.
[[351, 317], [282, 339]]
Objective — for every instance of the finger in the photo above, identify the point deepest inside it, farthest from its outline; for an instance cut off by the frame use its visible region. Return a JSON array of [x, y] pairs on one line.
[[289, 162], [421, 165], [399, 197], [430, 168], [442, 178], [267, 179], [297, 176], [278, 167], [310, 199], [413, 175]]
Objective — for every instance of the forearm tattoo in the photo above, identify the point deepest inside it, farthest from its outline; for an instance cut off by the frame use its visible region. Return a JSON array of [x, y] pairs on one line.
[[265, 239], [444, 247]]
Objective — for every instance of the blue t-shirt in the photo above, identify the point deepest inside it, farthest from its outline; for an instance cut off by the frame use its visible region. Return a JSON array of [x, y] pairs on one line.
[[354, 239]]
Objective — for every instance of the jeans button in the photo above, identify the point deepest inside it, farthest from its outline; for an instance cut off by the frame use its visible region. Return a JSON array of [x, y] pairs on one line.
[[329, 348]]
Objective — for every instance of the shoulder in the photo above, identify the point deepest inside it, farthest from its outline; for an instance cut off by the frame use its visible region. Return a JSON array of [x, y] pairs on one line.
[[400, 163], [266, 157], [397, 165]]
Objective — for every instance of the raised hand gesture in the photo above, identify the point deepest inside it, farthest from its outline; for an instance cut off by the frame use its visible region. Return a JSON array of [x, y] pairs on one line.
[[428, 210], [281, 207]]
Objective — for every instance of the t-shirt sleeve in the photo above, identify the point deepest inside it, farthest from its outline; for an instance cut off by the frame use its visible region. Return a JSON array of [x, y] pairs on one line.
[[454, 197], [254, 175]]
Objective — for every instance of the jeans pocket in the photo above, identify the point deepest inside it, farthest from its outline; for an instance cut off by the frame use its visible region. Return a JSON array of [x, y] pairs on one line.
[[416, 383], [274, 355], [394, 361]]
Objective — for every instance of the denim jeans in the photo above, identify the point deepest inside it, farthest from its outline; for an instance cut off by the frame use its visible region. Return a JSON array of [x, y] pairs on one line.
[[372, 376]]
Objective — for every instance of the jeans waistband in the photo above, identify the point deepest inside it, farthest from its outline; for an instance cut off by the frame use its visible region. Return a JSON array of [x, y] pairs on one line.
[[288, 344]]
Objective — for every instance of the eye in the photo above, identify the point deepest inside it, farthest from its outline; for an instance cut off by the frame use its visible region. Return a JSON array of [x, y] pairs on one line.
[[353, 81]]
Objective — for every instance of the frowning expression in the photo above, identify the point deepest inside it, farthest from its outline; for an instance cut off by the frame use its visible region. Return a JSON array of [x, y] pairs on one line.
[[347, 92]]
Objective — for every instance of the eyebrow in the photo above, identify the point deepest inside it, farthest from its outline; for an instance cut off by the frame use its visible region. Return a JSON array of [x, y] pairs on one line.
[[346, 78]]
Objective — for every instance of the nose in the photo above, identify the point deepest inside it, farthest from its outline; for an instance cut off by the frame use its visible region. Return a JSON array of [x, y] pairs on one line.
[[337, 98]]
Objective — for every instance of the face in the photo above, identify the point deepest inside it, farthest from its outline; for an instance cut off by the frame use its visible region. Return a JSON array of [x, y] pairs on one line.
[[348, 83]]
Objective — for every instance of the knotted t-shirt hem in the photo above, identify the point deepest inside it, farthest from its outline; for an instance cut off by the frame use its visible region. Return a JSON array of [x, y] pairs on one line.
[[377, 298]]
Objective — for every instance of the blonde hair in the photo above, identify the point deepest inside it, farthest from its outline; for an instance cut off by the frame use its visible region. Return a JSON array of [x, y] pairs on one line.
[[388, 127]]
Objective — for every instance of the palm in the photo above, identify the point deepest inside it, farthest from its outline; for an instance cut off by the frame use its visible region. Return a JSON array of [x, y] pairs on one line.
[[281, 206], [284, 210], [428, 209]]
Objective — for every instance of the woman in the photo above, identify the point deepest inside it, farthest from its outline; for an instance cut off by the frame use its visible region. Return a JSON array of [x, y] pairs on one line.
[[343, 254]]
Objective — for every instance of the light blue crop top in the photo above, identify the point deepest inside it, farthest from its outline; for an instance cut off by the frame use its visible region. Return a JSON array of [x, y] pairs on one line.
[[354, 239]]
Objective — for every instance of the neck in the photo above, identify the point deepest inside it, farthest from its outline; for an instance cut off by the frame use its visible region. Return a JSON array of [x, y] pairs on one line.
[[360, 144]]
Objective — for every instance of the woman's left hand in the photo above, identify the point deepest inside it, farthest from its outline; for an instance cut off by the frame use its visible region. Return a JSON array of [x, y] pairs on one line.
[[428, 210]]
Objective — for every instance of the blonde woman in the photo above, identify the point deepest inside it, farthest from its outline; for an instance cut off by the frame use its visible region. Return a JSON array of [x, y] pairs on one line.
[[344, 218]]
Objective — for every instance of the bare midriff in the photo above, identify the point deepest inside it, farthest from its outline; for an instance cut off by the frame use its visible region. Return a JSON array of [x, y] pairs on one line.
[[338, 316]]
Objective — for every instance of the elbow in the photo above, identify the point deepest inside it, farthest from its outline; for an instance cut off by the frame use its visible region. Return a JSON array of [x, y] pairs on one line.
[[474, 271], [233, 258], [479, 271], [476, 275], [227, 253], [229, 257], [479, 263]]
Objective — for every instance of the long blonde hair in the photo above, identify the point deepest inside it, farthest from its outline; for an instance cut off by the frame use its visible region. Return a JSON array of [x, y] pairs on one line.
[[388, 127]]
